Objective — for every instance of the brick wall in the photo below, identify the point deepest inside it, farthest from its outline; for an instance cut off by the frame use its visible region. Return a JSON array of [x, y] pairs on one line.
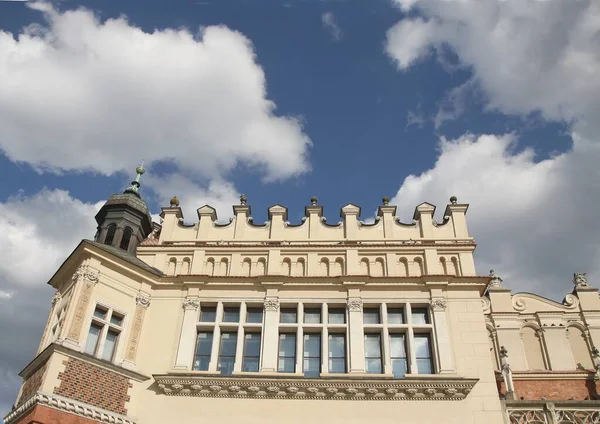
[[555, 389], [43, 415], [93, 385], [32, 384]]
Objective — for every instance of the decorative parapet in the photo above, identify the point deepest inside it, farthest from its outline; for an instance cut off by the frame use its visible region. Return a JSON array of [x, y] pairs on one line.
[[543, 412], [325, 389], [69, 406]]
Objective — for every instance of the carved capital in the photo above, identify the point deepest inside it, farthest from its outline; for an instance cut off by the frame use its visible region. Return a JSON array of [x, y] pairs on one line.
[[56, 298], [142, 300], [439, 304], [355, 305], [272, 304], [86, 273], [191, 303]]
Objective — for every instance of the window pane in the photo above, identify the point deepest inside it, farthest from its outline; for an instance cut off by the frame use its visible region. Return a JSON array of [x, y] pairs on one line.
[[395, 316], [201, 363], [337, 316], [399, 367], [312, 367], [420, 316], [397, 346], [92, 339], [422, 348], [100, 313], [312, 316], [287, 352], [288, 316], [250, 365], [208, 314], [312, 345], [424, 366], [372, 345], [116, 319], [251, 352], [337, 365], [337, 353], [227, 353], [109, 345], [231, 314], [254, 315], [204, 344], [371, 316], [373, 366]]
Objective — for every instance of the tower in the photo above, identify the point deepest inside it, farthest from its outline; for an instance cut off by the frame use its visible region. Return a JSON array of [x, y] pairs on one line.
[[124, 221]]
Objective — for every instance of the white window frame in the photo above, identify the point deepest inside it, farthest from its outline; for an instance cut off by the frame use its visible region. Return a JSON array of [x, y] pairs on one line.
[[106, 326]]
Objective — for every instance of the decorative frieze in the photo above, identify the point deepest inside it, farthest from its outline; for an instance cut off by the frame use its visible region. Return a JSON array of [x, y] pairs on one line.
[[272, 304], [86, 273], [90, 278], [355, 305], [142, 303], [439, 304], [446, 389], [191, 303]]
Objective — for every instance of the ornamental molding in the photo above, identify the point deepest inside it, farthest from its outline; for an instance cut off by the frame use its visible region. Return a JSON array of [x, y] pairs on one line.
[[271, 304], [191, 303], [69, 406], [351, 389], [355, 305], [439, 304], [142, 300], [56, 298], [486, 305], [84, 272]]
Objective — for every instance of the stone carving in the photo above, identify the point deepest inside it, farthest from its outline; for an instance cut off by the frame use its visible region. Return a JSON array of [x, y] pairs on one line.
[[272, 304], [485, 304], [571, 301], [89, 278], [519, 303], [355, 305], [439, 304], [142, 300], [496, 281], [86, 273], [56, 298], [191, 303], [580, 280], [209, 386]]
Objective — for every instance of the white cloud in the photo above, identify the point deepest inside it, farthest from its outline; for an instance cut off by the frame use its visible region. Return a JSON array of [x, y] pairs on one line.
[[80, 94], [330, 24]]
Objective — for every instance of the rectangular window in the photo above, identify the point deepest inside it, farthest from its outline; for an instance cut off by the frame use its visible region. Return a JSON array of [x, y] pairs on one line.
[[398, 355], [231, 314], [423, 353], [116, 319], [203, 349], [337, 316], [109, 345], [208, 314], [100, 313], [337, 353], [227, 353], [287, 352], [92, 339], [254, 315], [251, 352], [371, 316], [312, 355], [395, 316], [288, 316], [420, 316], [373, 360], [312, 316]]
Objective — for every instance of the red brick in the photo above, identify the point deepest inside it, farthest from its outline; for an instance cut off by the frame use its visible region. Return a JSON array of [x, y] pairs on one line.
[[32, 384], [554, 389], [43, 415]]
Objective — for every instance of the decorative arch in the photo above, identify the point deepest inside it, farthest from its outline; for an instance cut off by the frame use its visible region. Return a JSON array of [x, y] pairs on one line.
[[337, 268], [286, 267], [299, 268], [403, 267], [209, 267], [261, 267], [533, 347], [443, 265], [324, 267], [418, 267], [378, 268], [580, 347], [172, 265], [364, 266], [246, 265], [185, 266], [126, 238], [455, 266], [110, 234]]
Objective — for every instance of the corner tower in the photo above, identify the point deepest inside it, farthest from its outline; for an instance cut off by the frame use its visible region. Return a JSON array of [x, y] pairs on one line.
[[124, 220]]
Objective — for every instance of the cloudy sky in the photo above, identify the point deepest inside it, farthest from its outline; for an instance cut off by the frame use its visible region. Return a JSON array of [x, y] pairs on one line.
[[496, 102]]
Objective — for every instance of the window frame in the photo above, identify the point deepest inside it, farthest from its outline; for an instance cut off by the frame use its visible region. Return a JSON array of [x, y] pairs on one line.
[[106, 326]]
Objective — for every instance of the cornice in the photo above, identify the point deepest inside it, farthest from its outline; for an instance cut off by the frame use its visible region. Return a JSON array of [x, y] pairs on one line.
[[69, 406], [422, 388], [41, 359], [553, 375]]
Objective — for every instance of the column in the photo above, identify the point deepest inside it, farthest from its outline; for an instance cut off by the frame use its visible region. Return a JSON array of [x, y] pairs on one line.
[[385, 334], [213, 365], [142, 302], [446, 364], [270, 335], [187, 338], [239, 345], [356, 339], [86, 279], [412, 356]]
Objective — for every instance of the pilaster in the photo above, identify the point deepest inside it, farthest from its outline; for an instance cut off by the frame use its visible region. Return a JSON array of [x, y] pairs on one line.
[[187, 338], [142, 302]]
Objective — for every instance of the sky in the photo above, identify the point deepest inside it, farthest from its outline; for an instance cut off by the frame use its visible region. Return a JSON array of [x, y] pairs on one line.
[[496, 102]]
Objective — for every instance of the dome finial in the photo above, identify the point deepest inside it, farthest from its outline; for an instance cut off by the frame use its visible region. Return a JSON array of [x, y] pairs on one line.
[[243, 199], [386, 201], [453, 200], [314, 200], [174, 202], [135, 184]]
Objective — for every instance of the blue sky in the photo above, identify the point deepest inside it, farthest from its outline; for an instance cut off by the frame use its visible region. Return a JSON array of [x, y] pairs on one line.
[[494, 102]]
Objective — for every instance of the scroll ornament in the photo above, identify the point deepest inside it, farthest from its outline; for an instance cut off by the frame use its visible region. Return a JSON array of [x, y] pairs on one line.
[[271, 304], [142, 300]]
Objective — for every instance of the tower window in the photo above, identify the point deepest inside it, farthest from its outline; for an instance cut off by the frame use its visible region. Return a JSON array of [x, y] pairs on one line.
[[126, 238], [110, 234]]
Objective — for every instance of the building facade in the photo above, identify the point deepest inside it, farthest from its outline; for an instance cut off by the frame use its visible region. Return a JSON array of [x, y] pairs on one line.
[[282, 323]]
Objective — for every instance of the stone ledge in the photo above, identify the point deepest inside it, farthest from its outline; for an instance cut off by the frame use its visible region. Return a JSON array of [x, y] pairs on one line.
[[67, 405], [323, 389]]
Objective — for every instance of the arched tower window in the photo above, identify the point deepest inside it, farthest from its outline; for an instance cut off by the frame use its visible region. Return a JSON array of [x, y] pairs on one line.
[[126, 238], [110, 234]]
